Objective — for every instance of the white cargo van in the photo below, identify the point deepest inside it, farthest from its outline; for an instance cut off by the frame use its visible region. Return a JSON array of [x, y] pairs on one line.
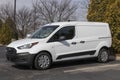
[[62, 41]]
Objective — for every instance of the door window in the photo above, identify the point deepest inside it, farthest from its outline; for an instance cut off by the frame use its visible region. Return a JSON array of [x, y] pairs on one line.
[[67, 32]]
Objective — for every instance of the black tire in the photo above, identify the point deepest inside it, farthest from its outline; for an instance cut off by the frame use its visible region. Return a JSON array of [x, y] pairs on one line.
[[103, 55], [39, 62]]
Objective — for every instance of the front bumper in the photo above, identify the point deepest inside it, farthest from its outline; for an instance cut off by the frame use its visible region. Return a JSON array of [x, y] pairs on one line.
[[19, 58]]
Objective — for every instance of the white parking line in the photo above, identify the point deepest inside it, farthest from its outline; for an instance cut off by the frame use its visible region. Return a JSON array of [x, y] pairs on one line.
[[95, 68]]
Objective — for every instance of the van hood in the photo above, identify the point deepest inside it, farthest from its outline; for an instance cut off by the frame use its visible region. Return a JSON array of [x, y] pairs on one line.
[[25, 41]]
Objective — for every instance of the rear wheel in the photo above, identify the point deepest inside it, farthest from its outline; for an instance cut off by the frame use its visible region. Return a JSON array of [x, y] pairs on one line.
[[42, 61], [103, 55]]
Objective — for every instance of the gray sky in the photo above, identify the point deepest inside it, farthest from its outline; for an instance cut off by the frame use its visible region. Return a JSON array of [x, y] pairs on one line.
[[81, 12], [19, 2]]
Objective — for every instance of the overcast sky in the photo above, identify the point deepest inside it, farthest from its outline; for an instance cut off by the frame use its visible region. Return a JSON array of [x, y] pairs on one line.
[[82, 12], [19, 2]]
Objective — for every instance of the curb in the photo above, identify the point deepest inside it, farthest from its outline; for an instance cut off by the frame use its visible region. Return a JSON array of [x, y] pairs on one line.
[[117, 57], [2, 45]]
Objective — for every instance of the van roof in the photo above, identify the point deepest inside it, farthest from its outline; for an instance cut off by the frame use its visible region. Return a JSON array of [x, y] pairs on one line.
[[78, 23]]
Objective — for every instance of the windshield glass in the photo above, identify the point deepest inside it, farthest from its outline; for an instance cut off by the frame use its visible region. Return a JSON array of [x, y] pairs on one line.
[[43, 32]]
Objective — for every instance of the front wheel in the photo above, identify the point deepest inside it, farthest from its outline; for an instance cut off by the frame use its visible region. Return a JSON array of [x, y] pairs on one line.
[[42, 61], [103, 55]]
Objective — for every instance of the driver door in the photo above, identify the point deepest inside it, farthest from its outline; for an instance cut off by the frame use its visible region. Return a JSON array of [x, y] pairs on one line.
[[64, 42]]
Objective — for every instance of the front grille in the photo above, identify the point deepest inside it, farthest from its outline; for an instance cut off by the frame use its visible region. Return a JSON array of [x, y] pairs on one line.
[[11, 50]]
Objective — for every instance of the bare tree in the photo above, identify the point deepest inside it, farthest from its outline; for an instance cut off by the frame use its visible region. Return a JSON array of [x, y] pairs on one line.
[[54, 10], [35, 19], [6, 11], [43, 11], [24, 21]]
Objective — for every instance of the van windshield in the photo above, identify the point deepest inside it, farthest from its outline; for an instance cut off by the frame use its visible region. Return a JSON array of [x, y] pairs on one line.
[[43, 32]]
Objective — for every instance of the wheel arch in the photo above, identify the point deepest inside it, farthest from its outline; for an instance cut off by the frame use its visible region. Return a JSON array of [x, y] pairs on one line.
[[101, 46], [34, 65], [104, 47], [102, 59], [41, 52], [46, 52]]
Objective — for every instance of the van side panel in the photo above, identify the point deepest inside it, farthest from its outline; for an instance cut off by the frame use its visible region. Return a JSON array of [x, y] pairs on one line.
[[93, 31], [95, 37]]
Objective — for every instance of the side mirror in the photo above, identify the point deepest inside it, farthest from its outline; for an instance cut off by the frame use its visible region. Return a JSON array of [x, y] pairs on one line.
[[28, 35], [61, 38]]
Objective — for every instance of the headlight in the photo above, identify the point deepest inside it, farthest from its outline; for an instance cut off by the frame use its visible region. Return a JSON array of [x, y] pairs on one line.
[[27, 46]]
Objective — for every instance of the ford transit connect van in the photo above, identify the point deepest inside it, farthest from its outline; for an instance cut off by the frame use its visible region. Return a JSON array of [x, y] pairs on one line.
[[62, 41]]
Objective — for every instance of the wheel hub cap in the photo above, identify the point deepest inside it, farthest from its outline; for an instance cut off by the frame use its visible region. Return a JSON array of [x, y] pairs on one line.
[[104, 56], [43, 61]]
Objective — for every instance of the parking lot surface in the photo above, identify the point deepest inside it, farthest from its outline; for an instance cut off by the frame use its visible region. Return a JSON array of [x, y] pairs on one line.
[[69, 70]]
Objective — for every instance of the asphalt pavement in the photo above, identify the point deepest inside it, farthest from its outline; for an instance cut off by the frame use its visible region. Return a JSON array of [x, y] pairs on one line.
[[69, 70]]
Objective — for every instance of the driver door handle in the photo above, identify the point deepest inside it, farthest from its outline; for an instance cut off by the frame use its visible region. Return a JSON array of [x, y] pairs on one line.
[[74, 43], [82, 41]]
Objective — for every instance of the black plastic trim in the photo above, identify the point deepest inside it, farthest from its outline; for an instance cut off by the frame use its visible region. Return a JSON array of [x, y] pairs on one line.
[[104, 37], [77, 54]]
